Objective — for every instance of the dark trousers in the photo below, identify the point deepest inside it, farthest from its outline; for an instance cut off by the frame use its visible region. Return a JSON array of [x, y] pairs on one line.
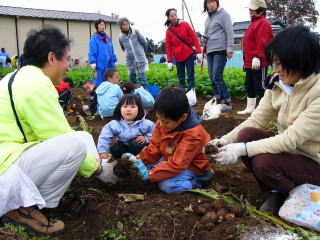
[[65, 99], [119, 148], [254, 82], [181, 66], [281, 171]]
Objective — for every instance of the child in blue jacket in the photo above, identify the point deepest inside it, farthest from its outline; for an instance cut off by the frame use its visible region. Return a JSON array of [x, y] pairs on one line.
[[108, 93], [146, 97], [131, 128]]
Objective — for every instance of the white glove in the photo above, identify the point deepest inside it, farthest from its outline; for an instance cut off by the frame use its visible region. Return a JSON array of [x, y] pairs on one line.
[[212, 148], [93, 66], [85, 108], [170, 66], [199, 57], [230, 153], [107, 175], [255, 63]]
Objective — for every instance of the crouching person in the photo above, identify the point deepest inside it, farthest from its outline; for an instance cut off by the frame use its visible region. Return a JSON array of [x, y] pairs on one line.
[[174, 155], [39, 152]]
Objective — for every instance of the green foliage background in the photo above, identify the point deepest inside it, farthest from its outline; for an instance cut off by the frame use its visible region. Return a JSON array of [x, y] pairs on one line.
[[160, 76]]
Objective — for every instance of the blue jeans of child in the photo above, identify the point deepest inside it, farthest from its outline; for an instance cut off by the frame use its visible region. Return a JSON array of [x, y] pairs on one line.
[[181, 72], [186, 180], [216, 63], [141, 73]]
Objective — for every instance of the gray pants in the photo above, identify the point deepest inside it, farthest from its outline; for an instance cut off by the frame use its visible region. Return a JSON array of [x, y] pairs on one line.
[[52, 164]]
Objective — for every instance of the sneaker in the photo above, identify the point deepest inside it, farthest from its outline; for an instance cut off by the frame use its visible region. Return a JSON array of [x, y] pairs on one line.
[[34, 221], [107, 175]]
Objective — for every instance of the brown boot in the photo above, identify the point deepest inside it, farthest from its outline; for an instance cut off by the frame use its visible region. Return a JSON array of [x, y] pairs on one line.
[[34, 221], [273, 203]]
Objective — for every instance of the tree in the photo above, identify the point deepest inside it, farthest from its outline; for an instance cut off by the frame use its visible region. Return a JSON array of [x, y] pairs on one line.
[[293, 12]]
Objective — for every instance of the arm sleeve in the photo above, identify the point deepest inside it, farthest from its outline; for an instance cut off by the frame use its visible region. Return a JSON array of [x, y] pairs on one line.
[[142, 40], [303, 128], [169, 46], [105, 137], [92, 55], [259, 118], [52, 122], [150, 129], [262, 33], [194, 38], [121, 44], [227, 26], [151, 153]]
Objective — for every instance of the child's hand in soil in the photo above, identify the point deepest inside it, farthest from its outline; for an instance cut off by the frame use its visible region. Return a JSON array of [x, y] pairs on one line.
[[143, 171], [129, 156], [141, 139]]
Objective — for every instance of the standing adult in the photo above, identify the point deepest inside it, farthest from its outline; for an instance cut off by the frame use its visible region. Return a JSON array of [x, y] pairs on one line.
[[257, 36], [135, 46], [290, 157], [39, 152], [3, 53], [181, 43], [101, 53], [4, 58], [218, 37]]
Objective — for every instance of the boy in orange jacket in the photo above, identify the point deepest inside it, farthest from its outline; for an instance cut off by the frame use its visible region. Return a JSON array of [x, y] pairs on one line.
[[174, 156]]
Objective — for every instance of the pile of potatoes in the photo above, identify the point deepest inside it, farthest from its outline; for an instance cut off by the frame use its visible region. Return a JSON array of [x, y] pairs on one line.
[[219, 211]]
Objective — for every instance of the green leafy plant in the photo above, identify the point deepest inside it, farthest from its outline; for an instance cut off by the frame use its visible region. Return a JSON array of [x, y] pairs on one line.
[[111, 233], [9, 230]]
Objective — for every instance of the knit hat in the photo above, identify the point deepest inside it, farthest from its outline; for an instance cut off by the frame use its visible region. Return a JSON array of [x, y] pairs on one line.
[[255, 4]]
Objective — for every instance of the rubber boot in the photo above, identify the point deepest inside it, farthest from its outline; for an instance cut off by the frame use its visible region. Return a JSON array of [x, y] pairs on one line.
[[251, 105]]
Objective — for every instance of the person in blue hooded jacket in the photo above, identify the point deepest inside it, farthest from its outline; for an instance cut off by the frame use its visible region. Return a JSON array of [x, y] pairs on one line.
[[109, 93], [101, 53]]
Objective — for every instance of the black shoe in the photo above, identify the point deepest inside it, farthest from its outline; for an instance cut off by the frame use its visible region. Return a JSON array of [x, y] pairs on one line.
[[273, 203]]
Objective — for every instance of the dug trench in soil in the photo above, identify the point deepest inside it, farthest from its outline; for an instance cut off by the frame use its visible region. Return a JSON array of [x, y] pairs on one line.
[[92, 210]]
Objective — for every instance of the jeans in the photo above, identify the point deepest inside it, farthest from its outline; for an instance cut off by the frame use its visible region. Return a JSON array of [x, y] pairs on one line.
[[189, 64], [186, 180], [141, 73], [216, 64]]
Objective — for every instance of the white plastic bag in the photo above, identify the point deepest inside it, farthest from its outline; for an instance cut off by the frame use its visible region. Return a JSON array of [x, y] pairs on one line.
[[211, 110], [192, 98], [302, 207]]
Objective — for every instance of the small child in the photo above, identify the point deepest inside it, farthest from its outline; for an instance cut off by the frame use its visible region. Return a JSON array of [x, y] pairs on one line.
[[174, 156], [131, 128], [90, 88], [146, 98], [108, 93], [65, 93]]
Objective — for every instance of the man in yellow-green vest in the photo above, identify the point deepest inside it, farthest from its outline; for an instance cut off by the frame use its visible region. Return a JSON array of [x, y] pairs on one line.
[[39, 152]]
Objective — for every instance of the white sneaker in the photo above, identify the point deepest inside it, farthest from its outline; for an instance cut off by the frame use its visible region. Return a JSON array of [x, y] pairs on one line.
[[107, 175]]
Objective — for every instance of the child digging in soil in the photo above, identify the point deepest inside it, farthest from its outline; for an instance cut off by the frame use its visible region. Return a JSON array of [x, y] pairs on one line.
[[146, 97], [131, 128], [108, 93], [174, 156]]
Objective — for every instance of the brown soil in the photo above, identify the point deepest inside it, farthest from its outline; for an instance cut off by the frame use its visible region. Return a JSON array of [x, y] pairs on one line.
[[91, 208]]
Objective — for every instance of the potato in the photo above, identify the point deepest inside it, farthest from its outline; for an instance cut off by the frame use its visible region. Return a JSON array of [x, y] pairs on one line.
[[237, 209], [229, 217], [217, 204], [203, 208], [210, 217]]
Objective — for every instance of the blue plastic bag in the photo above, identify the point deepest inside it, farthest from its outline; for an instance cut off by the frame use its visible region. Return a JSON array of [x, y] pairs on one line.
[[154, 90]]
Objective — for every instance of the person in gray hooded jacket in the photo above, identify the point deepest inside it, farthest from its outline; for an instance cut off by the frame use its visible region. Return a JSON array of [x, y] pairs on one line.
[[135, 47], [219, 42]]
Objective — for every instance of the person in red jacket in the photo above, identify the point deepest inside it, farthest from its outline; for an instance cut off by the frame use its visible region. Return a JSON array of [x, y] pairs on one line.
[[257, 36], [181, 43], [174, 156], [65, 93]]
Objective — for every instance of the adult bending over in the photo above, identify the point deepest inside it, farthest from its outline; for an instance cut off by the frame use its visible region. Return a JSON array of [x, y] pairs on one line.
[[291, 157], [39, 152]]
